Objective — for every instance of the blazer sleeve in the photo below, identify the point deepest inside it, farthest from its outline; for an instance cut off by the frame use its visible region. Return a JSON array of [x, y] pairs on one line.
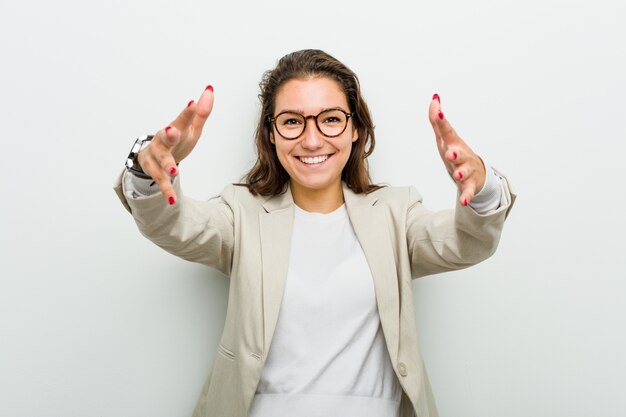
[[452, 239], [197, 231]]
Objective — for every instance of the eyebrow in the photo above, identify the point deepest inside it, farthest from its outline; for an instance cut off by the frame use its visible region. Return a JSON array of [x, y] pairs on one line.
[[300, 112]]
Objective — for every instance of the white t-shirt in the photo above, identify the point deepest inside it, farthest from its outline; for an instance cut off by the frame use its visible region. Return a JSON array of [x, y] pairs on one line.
[[328, 355]]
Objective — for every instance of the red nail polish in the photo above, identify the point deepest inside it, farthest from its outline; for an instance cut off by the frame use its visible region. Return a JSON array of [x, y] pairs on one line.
[[167, 129], [454, 155], [436, 97], [171, 200], [190, 103], [460, 175], [173, 171], [440, 115], [209, 87], [465, 202]]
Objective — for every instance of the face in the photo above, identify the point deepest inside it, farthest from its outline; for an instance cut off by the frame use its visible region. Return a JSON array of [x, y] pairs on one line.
[[313, 161]]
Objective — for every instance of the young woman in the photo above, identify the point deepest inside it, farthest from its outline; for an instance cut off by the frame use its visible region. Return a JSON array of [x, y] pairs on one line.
[[320, 318]]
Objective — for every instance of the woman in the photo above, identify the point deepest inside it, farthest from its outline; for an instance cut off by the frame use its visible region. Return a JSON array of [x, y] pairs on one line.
[[320, 319]]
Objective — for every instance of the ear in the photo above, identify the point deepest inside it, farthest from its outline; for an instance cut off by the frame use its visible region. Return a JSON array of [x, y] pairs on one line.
[[355, 135], [272, 139]]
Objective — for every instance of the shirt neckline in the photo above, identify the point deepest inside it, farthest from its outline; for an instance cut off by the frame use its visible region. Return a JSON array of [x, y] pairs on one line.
[[338, 214]]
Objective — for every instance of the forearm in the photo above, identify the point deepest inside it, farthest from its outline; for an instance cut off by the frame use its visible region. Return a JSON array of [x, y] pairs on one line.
[[455, 239], [197, 231]]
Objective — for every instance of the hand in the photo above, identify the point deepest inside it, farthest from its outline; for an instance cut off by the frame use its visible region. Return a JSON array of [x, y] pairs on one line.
[[464, 166], [172, 144]]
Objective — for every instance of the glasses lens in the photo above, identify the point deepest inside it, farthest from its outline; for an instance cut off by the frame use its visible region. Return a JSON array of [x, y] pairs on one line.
[[290, 125], [332, 122]]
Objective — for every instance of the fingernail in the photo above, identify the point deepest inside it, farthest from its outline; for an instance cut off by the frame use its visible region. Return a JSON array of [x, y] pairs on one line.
[[454, 155], [460, 175], [167, 129], [173, 171], [436, 97], [209, 87], [190, 103], [440, 114], [465, 202], [171, 200]]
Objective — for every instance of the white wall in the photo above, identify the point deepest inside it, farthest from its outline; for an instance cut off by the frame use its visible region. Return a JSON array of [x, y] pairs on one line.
[[97, 321]]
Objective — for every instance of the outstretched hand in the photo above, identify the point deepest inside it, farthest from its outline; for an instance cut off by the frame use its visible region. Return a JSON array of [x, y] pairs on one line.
[[173, 143], [464, 166]]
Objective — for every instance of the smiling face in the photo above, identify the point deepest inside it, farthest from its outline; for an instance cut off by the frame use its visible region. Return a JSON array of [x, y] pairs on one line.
[[313, 161]]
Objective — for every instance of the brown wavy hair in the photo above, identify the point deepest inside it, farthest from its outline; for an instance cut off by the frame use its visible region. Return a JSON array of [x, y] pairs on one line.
[[268, 177]]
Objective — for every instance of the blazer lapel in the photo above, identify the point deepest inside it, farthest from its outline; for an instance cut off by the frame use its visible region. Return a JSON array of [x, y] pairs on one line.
[[276, 225], [372, 230]]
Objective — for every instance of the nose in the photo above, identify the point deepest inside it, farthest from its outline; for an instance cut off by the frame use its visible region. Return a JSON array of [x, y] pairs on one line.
[[311, 137]]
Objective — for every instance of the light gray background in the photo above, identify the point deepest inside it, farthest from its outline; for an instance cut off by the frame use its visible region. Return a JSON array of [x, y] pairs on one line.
[[97, 321]]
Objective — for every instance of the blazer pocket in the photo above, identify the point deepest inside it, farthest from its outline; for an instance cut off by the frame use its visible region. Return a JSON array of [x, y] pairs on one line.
[[227, 353]]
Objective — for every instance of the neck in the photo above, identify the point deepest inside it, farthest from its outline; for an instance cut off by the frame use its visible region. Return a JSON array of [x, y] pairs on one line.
[[317, 201]]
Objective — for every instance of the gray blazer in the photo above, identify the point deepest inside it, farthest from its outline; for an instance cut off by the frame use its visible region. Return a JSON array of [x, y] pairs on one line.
[[247, 238]]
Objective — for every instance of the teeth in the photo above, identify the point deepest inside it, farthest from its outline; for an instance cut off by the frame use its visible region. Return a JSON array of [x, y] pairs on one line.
[[313, 159]]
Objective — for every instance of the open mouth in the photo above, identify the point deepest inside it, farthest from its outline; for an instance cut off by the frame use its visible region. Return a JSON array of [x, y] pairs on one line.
[[314, 160]]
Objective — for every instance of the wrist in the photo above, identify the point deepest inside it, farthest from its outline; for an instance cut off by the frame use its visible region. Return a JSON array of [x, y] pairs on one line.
[[132, 161]]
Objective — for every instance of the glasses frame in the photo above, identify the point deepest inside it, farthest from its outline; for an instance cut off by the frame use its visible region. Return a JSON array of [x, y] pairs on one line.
[[272, 120]]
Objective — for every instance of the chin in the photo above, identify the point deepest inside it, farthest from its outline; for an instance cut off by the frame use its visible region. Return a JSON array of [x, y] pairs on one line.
[[315, 185]]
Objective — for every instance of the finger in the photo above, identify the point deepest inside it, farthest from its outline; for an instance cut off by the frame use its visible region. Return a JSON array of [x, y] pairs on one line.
[[463, 173], [166, 160], [183, 121], [460, 174], [468, 191], [167, 137], [433, 111], [202, 110], [162, 180], [165, 185], [442, 127], [455, 155]]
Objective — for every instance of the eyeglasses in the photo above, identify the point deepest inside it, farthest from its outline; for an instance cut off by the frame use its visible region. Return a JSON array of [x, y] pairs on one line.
[[331, 123]]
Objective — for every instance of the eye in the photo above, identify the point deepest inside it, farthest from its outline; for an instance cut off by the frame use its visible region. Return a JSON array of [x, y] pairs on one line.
[[332, 117], [291, 121]]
